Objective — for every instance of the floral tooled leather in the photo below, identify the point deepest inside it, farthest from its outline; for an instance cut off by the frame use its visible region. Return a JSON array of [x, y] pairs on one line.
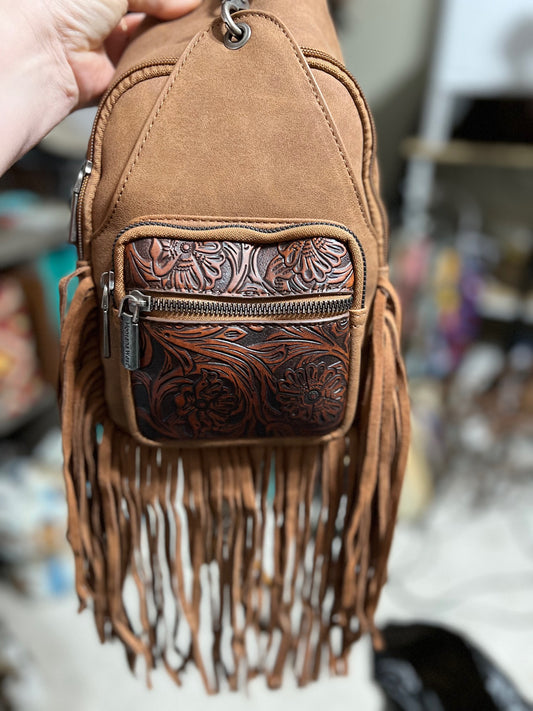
[[209, 381], [301, 267]]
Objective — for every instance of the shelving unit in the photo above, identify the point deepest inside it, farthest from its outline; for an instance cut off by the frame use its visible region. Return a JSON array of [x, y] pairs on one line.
[[479, 52], [44, 230], [39, 230]]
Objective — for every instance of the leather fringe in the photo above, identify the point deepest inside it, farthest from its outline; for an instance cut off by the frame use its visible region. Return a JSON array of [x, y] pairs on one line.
[[241, 560]]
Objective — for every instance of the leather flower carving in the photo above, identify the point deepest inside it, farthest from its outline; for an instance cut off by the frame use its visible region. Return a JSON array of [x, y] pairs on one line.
[[186, 265], [208, 405], [313, 393], [317, 264]]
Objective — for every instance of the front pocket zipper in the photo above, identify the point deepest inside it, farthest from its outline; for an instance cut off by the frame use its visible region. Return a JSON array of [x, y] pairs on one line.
[[136, 303]]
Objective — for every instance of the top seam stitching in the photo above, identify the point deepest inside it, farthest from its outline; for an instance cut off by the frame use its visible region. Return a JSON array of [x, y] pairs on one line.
[[149, 130], [296, 50]]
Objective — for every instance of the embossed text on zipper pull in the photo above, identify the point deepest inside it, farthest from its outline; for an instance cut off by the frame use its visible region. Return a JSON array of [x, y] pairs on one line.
[[107, 283], [129, 314]]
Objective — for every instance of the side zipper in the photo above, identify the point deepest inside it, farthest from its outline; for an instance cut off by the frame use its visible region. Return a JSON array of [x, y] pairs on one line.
[[74, 230], [107, 282], [136, 303]]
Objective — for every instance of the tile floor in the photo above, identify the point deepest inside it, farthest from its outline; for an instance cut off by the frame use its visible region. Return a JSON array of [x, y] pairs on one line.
[[468, 564]]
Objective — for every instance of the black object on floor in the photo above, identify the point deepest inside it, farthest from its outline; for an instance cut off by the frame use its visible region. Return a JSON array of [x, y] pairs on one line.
[[429, 668]]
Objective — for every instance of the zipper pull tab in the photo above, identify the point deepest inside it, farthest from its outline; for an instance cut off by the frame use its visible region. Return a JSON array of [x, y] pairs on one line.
[[85, 171], [129, 314], [107, 282]]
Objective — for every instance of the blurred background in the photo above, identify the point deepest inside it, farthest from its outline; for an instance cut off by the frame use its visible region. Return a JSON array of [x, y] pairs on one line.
[[450, 84]]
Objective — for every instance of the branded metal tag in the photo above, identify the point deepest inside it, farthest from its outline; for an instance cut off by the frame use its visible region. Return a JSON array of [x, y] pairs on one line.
[[129, 328]]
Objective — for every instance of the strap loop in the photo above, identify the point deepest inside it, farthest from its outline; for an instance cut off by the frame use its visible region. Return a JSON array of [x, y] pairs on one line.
[[238, 33]]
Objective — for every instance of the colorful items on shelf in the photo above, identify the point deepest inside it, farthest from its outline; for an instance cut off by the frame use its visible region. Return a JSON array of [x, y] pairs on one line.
[[33, 548], [21, 383]]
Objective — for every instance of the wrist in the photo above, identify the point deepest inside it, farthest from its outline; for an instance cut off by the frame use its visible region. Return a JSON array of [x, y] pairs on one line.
[[37, 84]]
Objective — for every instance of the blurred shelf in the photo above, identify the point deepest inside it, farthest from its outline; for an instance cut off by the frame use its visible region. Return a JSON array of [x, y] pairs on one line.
[[46, 403], [517, 156], [40, 230]]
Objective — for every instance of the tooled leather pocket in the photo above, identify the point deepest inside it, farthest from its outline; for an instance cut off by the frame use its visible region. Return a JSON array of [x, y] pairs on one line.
[[236, 338], [241, 379]]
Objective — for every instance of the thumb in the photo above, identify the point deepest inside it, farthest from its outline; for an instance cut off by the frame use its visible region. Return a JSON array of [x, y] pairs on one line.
[[164, 9], [93, 72], [118, 40]]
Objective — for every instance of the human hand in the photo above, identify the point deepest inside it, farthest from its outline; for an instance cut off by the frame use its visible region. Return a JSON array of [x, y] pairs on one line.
[[90, 35], [58, 55]]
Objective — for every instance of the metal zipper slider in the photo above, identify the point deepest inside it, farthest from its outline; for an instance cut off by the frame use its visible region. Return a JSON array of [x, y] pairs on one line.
[[129, 314], [107, 282], [85, 171]]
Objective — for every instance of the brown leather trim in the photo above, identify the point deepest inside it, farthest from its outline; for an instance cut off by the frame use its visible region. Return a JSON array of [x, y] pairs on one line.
[[315, 91], [325, 111], [94, 152]]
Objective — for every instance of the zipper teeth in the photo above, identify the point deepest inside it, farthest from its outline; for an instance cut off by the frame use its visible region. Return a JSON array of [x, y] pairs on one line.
[[78, 216], [79, 219], [196, 307]]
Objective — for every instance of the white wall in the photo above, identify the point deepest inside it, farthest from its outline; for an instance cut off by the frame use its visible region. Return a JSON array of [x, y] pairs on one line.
[[385, 41], [486, 47]]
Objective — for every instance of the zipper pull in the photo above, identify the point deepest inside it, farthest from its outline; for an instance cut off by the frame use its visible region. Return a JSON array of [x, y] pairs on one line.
[[107, 282], [85, 171], [129, 314]]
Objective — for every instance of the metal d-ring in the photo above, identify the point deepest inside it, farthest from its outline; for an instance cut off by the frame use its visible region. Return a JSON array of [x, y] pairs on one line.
[[238, 33], [233, 41]]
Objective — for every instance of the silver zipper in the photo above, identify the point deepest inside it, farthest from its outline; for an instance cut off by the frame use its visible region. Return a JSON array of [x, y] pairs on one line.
[[136, 302], [85, 171], [107, 282], [298, 307], [129, 314]]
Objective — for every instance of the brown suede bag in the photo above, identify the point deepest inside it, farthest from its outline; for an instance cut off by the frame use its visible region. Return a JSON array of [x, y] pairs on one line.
[[234, 407]]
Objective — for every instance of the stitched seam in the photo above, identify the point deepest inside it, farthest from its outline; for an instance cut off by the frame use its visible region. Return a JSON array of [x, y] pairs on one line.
[[147, 134], [120, 89], [320, 104], [367, 133], [129, 82], [311, 84], [126, 83], [272, 230], [373, 162], [225, 220]]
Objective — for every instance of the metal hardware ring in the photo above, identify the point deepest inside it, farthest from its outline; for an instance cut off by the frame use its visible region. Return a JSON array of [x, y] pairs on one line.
[[237, 40], [238, 33]]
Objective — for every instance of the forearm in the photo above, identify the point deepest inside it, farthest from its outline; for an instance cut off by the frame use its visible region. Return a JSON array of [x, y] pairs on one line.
[[36, 84]]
